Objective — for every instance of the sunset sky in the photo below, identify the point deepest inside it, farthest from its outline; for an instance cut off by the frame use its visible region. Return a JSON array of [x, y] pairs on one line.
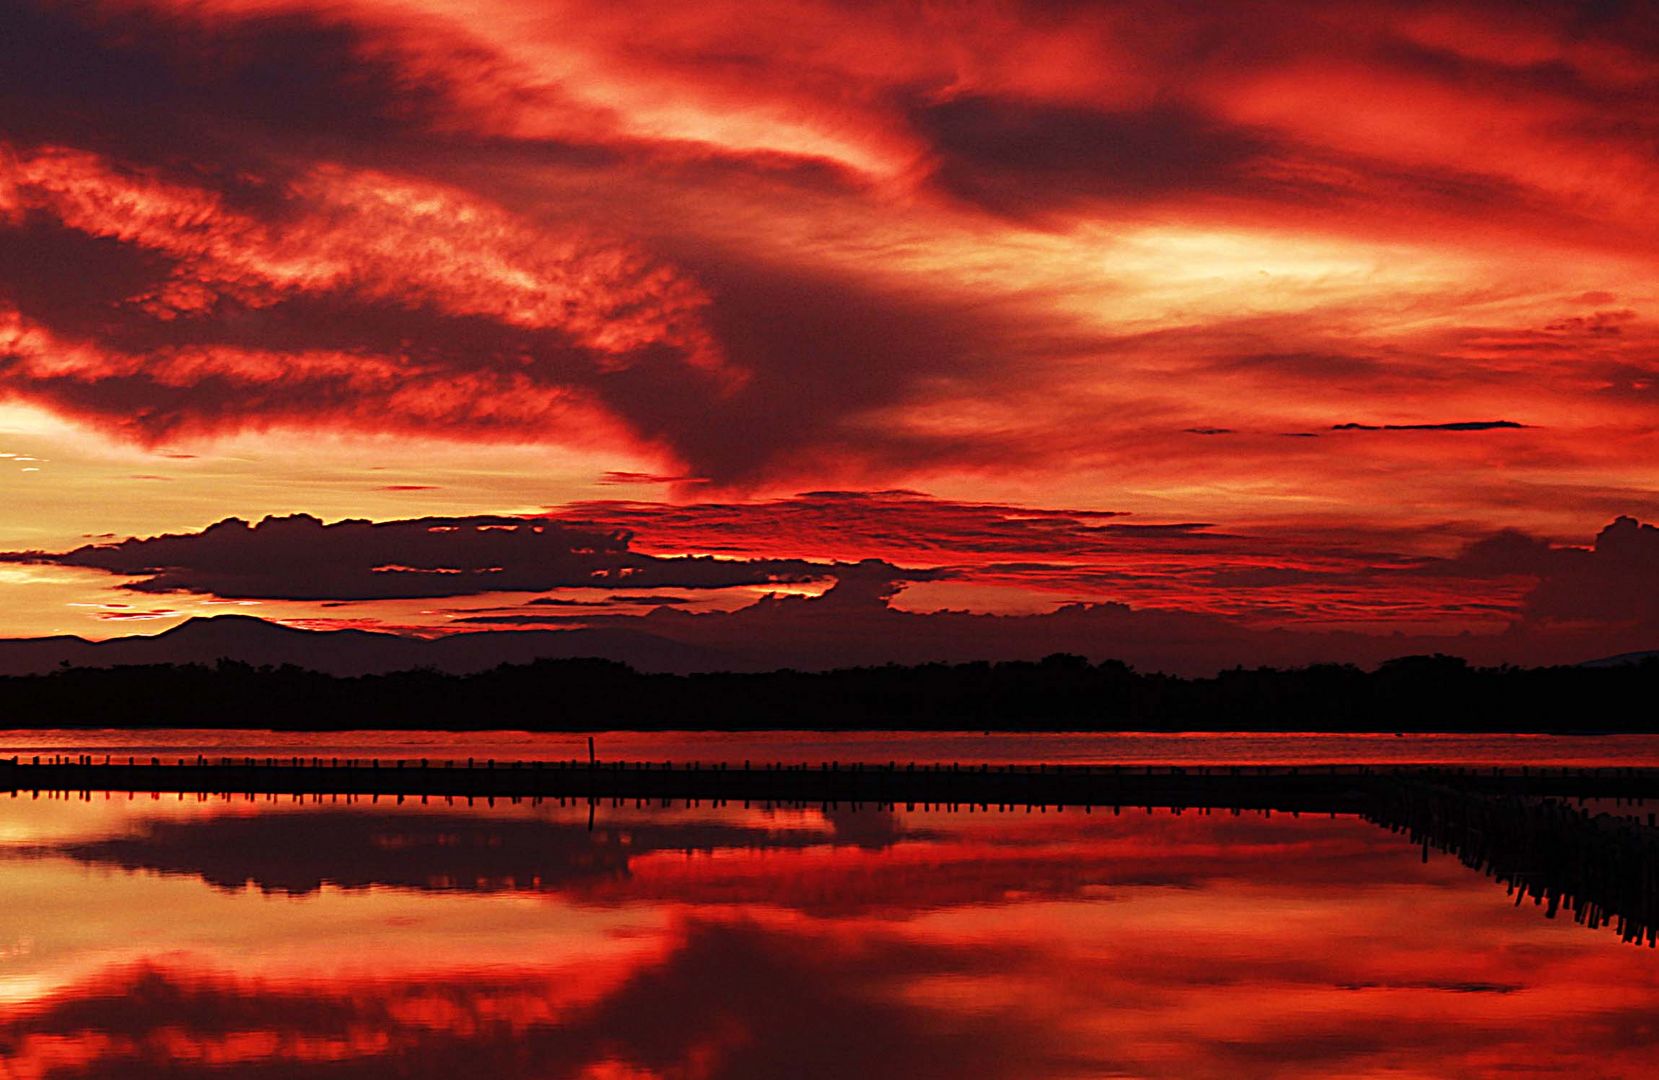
[[1195, 334]]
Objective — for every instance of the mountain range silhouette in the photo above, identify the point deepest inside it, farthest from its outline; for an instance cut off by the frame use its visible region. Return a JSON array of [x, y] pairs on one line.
[[353, 652]]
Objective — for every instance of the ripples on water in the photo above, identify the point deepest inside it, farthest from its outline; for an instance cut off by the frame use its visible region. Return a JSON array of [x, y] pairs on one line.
[[159, 936]]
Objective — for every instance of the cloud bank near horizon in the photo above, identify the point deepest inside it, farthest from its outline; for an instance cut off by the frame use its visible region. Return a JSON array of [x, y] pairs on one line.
[[839, 599]]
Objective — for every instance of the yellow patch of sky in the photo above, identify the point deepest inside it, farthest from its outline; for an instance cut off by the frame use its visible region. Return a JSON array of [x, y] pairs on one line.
[[92, 486]]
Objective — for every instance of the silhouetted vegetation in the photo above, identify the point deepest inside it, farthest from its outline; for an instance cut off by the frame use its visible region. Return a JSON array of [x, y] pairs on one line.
[[1061, 692]]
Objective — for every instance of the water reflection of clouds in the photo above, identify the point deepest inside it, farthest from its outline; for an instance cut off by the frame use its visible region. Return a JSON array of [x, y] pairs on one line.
[[740, 944], [826, 862], [730, 999], [299, 853]]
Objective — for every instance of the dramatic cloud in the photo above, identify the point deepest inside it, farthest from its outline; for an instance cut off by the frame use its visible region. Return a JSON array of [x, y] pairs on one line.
[[231, 215], [1615, 582], [867, 577], [301, 558], [1280, 576], [854, 524], [1020, 157], [1120, 257], [838, 578]]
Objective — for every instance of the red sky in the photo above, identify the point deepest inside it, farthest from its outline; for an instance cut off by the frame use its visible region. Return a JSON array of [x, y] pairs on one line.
[[1361, 294]]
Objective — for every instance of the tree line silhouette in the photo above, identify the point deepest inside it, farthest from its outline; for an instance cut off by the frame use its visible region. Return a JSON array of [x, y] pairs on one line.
[[1060, 692]]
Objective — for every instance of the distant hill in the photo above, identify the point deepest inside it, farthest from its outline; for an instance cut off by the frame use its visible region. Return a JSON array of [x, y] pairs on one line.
[[1623, 659], [353, 652]]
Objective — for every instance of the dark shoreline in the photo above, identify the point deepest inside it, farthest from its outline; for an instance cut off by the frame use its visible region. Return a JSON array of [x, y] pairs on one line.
[[1061, 694]]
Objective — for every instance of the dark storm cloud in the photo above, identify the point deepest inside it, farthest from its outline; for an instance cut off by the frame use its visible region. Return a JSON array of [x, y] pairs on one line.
[[245, 109], [1025, 158], [226, 101], [1612, 584], [249, 109], [808, 367], [1509, 552], [62, 277], [1616, 581]]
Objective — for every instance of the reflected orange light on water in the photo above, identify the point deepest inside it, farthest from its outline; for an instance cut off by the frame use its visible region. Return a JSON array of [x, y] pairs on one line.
[[160, 937]]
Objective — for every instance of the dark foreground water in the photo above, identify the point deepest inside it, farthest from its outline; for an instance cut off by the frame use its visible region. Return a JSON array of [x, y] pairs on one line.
[[159, 936]]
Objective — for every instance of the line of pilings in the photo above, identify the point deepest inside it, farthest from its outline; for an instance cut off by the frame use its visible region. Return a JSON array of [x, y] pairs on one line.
[[1602, 868], [1513, 824], [1310, 788], [803, 783]]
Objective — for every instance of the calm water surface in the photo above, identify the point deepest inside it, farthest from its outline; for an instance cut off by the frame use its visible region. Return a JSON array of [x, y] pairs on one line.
[[868, 747], [159, 936]]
